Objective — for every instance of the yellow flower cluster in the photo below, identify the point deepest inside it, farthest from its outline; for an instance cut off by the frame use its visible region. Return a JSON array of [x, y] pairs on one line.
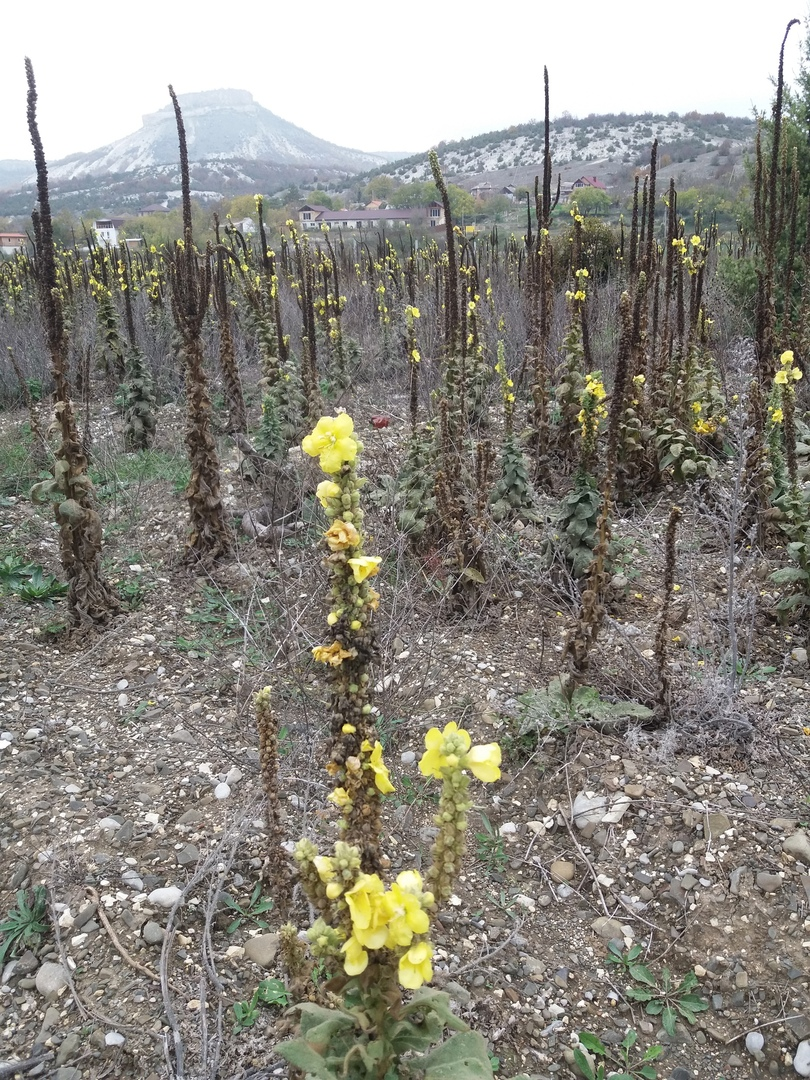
[[776, 415], [452, 750], [332, 442], [704, 427], [390, 919], [782, 377]]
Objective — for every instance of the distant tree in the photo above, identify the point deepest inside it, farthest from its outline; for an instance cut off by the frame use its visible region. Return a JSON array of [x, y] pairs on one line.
[[293, 195], [592, 201], [320, 198], [497, 207], [379, 187], [240, 206]]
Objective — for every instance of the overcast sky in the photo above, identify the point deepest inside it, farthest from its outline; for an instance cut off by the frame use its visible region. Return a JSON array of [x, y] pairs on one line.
[[398, 76]]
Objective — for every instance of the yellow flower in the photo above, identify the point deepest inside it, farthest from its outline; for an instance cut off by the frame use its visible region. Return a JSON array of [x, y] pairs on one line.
[[332, 618], [327, 489], [356, 960], [340, 797], [450, 749], [348, 729], [796, 374], [484, 762], [333, 654], [781, 378], [639, 380], [341, 535], [364, 566], [415, 966], [404, 904], [415, 356], [695, 241], [367, 911], [786, 359], [332, 442], [696, 406], [381, 778], [777, 416]]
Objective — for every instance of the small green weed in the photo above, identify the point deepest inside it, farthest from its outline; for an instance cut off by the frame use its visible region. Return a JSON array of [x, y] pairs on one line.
[[489, 846], [25, 924], [14, 571], [29, 581], [252, 911], [268, 992], [132, 592], [617, 1063], [669, 1000]]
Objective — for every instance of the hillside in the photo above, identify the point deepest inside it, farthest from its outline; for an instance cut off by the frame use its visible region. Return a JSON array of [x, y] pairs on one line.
[[235, 146], [618, 141]]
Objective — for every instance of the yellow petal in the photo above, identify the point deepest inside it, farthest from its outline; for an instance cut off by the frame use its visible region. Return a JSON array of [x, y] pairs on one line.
[[484, 761]]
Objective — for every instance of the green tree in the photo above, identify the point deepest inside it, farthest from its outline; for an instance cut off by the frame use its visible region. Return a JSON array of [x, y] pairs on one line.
[[380, 187], [592, 201], [320, 198]]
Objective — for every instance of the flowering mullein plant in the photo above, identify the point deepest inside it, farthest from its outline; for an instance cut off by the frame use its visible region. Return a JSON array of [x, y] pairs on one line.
[[375, 935]]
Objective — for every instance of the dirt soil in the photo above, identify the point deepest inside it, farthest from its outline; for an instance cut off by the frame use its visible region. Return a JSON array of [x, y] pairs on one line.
[[690, 840]]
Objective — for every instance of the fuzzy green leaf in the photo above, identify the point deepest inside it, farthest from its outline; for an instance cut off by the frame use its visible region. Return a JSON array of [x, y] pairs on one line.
[[426, 998], [787, 575], [300, 1054], [463, 1057]]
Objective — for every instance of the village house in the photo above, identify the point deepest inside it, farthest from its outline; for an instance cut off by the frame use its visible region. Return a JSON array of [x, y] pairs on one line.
[[12, 242], [581, 182], [153, 208], [312, 216], [106, 230]]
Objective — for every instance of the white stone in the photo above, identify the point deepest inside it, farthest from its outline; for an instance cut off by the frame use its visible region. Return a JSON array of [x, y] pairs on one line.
[[123, 701], [166, 897], [114, 1038], [221, 791], [801, 1059], [408, 758], [122, 684], [50, 979], [754, 1041]]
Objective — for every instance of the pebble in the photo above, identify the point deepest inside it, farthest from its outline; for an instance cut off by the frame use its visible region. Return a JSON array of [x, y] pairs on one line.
[[408, 758], [153, 933], [114, 1038], [109, 824], [562, 870], [234, 776], [262, 949], [769, 882], [166, 897], [801, 1059], [754, 1041], [221, 791], [607, 928], [70, 1045], [189, 856], [677, 847], [50, 979], [132, 881], [798, 845]]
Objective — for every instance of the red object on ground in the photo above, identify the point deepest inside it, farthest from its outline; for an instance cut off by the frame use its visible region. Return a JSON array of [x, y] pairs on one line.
[[380, 422]]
